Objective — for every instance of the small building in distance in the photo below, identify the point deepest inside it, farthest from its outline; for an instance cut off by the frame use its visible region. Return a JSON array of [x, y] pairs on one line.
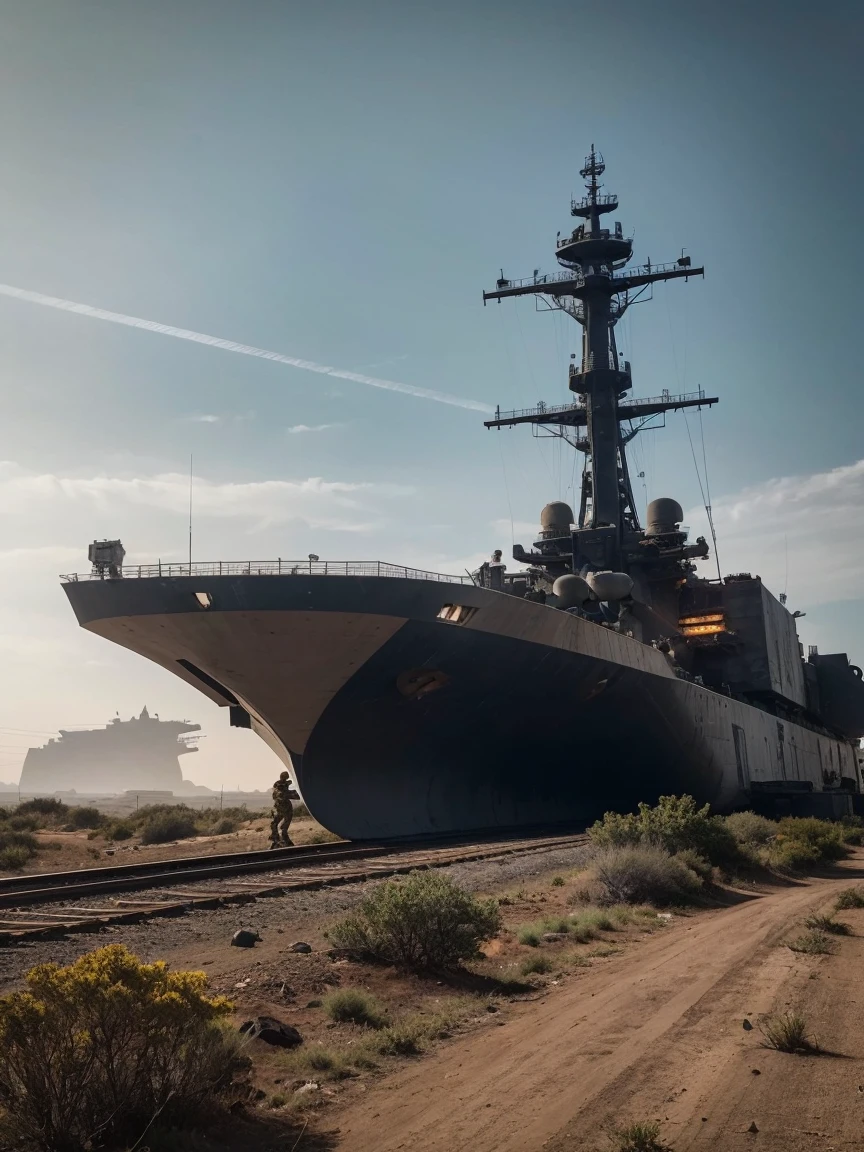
[[141, 753]]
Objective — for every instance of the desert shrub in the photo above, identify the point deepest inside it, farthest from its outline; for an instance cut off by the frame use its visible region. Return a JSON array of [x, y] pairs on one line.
[[644, 873], [13, 859], [119, 830], [751, 829], [803, 840], [46, 807], [534, 964], [422, 921], [795, 854], [16, 848], [788, 1033], [530, 934], [696, 863], [223, 826], [82, 817], [25, 823], [827, 924], [813, 942], [676, 823], [852, 830], [161, 827], [557, 881], [643, 1136], [850, 898], [104, 1046], [351, 1006]]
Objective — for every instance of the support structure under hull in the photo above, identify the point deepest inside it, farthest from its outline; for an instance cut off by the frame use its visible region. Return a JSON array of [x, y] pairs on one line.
[[398, 723]]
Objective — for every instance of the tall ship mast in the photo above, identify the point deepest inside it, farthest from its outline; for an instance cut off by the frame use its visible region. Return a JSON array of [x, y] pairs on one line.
[[603, 672], [596, 289]]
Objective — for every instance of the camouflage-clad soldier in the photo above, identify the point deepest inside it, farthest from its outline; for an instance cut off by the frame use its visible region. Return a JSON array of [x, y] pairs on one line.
[[283, 812]]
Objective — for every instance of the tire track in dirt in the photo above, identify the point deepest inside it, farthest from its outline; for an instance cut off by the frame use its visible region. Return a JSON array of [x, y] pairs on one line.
[[651, 1033]]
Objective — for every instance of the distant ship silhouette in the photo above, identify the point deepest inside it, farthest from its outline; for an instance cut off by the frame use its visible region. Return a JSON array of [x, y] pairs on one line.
[[142, 752]]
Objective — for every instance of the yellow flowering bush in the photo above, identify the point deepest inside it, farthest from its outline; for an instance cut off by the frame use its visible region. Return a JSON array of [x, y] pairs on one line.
[[93, 1053]]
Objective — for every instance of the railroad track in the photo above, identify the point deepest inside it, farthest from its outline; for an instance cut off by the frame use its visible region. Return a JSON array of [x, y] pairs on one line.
[[47, 906]]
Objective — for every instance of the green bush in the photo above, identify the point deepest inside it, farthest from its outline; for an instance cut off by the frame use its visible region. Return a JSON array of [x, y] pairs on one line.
[[46, 806], [794, 854], [104, 1046], [223, 826], [644, 873], [530, 934], [422, 921], [676, 824], [805, 840], [85, 817], [16, 848], [750, 829], [161, 827], [13, 859], [696, 863], [351, 1006], [852, 830], [23, 823], [119, 830]]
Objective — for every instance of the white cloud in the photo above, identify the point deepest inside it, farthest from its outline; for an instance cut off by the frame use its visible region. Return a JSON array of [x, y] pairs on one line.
[[815, 520], [295, 428], [327, 504], [205, 418]]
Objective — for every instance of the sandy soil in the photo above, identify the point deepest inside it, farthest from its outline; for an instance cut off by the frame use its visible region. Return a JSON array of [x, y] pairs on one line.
[[656, 1032]]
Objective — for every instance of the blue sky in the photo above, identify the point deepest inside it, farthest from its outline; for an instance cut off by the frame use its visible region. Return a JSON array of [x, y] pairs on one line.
[[338, 183]]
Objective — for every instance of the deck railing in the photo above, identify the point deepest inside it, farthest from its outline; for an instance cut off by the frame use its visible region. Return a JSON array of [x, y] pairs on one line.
[[270, 568]]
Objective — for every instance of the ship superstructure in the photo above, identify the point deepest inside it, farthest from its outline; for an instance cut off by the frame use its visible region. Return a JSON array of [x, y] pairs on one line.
[[604, 672], [139, 753]]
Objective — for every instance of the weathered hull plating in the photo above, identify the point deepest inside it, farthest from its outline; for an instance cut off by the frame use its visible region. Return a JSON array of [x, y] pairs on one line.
[[398, 723]]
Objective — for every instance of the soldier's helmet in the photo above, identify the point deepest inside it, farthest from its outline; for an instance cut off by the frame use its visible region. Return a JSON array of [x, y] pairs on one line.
[[283, 775]]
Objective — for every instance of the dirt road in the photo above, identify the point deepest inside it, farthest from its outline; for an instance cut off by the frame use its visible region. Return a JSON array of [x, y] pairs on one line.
[[657, 1032]]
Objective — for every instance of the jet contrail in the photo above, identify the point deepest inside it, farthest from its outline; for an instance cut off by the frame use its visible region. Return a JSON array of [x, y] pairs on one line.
[[232, 346]]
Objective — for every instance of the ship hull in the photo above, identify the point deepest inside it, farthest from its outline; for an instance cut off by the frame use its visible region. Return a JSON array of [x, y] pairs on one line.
[[397, 722]]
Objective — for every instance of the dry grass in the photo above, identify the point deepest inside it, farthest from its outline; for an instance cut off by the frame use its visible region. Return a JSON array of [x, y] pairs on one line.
[[827, 924], [536, 965], [813, 943], [850, 898], [642, 1136], [788, 1033], [351, 1006]]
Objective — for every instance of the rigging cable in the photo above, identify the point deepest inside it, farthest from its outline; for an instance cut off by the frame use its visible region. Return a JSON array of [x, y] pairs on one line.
[[507, 492], [706, 500], [705, 491]]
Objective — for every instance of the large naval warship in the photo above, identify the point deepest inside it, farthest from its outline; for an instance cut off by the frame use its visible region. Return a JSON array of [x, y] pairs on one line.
[[602, 672]]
